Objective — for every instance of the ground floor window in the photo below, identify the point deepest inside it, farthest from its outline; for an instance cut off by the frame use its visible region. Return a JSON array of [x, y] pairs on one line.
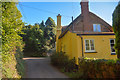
[[112, 43], [89, 45]]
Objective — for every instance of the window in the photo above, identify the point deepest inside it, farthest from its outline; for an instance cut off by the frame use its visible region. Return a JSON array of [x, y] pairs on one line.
[[112, 43], [89, 46], [96, 28]]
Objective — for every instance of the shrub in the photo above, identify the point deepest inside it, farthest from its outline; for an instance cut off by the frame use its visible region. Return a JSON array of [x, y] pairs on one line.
[[62, 61], [59, 59], [87, 68], [99, 68]]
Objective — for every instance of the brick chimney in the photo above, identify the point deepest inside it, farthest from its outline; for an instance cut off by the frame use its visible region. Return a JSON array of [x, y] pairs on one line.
[[85, 14], [59, 27], [58, 32], [59, 22], [84, 7]]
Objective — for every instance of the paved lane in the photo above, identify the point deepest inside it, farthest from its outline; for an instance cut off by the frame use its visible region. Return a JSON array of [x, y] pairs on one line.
[[41, 68]]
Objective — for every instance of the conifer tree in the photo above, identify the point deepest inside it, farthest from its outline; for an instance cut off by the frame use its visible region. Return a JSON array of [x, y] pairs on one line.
[[116, 28]]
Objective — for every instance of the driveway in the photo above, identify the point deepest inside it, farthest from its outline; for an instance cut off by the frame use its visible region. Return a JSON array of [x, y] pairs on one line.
[[41, 68]]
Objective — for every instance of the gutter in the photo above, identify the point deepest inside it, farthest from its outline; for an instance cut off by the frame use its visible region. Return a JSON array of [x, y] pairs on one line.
[[82, 45]]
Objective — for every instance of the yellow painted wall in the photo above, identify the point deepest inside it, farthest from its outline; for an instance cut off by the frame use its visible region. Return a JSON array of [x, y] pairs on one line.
[[102, 47], [71, 44]]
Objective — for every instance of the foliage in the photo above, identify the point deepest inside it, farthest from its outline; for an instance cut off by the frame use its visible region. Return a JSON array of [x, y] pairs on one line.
[[62, 61], [59, 59], [34, 40], [11, 41], [0, 40], [49, 32], [39, 38], [116, 27], [98, 68], [87, 68]]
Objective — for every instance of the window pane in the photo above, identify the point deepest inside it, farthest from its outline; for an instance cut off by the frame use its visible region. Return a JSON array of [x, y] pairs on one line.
[[99, 28], [92, 42], [87, 41], [112, 41], [87, 48], [92, 48], [96, 28], [112, 49], [87, 44], [112, 45]]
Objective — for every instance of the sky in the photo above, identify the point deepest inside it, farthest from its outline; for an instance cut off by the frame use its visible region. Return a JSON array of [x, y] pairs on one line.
[[35, 12]]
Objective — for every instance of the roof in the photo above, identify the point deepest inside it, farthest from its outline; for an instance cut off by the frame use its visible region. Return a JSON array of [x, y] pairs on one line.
[[63, 28], [66, 28], [110, 27]]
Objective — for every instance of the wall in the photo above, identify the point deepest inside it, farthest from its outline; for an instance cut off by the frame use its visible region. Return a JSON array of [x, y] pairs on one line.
[[102, 46], [70, 43]]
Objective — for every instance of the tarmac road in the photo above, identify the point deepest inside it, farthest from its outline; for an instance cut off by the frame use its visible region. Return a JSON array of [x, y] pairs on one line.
[[41, 68]]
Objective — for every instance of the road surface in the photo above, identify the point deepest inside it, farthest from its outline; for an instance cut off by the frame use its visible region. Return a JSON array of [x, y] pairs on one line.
[[41, 68]]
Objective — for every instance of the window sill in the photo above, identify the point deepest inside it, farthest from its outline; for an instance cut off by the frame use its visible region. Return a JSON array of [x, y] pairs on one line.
[[113, 53], [91, 52]]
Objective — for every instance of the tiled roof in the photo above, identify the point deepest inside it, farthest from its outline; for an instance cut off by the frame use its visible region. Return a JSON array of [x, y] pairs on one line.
[[66, 28]]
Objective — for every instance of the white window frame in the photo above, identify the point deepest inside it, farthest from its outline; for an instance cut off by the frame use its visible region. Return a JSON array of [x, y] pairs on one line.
[[89, 46], [98, 30], [110, 45]]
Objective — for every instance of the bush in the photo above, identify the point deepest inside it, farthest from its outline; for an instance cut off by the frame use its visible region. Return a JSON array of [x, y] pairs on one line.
[[62, 61], [87, 68], [99, 68], [59, 59]]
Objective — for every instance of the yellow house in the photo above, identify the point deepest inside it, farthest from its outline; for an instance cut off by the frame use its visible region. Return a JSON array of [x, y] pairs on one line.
[[86, 36]]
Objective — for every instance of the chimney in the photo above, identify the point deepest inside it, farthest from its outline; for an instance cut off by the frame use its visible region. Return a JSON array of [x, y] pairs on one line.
[[59, 27], [58, 32], [85, 14], [84, 7], [59, 22]]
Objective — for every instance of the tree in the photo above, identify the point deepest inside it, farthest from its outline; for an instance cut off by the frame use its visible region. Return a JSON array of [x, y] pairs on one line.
[[42, 25], [39, 38], [116, 28], [34, 41], [51, 31], [11, 41]]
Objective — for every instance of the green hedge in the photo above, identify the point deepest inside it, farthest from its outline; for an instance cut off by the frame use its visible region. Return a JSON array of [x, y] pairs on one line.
[[12, 43], [99, 68], [87, 68]]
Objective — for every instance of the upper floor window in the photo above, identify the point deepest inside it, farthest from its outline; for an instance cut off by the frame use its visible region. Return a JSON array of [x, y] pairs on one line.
[[112, 43], [96, 28], [89, 45]]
